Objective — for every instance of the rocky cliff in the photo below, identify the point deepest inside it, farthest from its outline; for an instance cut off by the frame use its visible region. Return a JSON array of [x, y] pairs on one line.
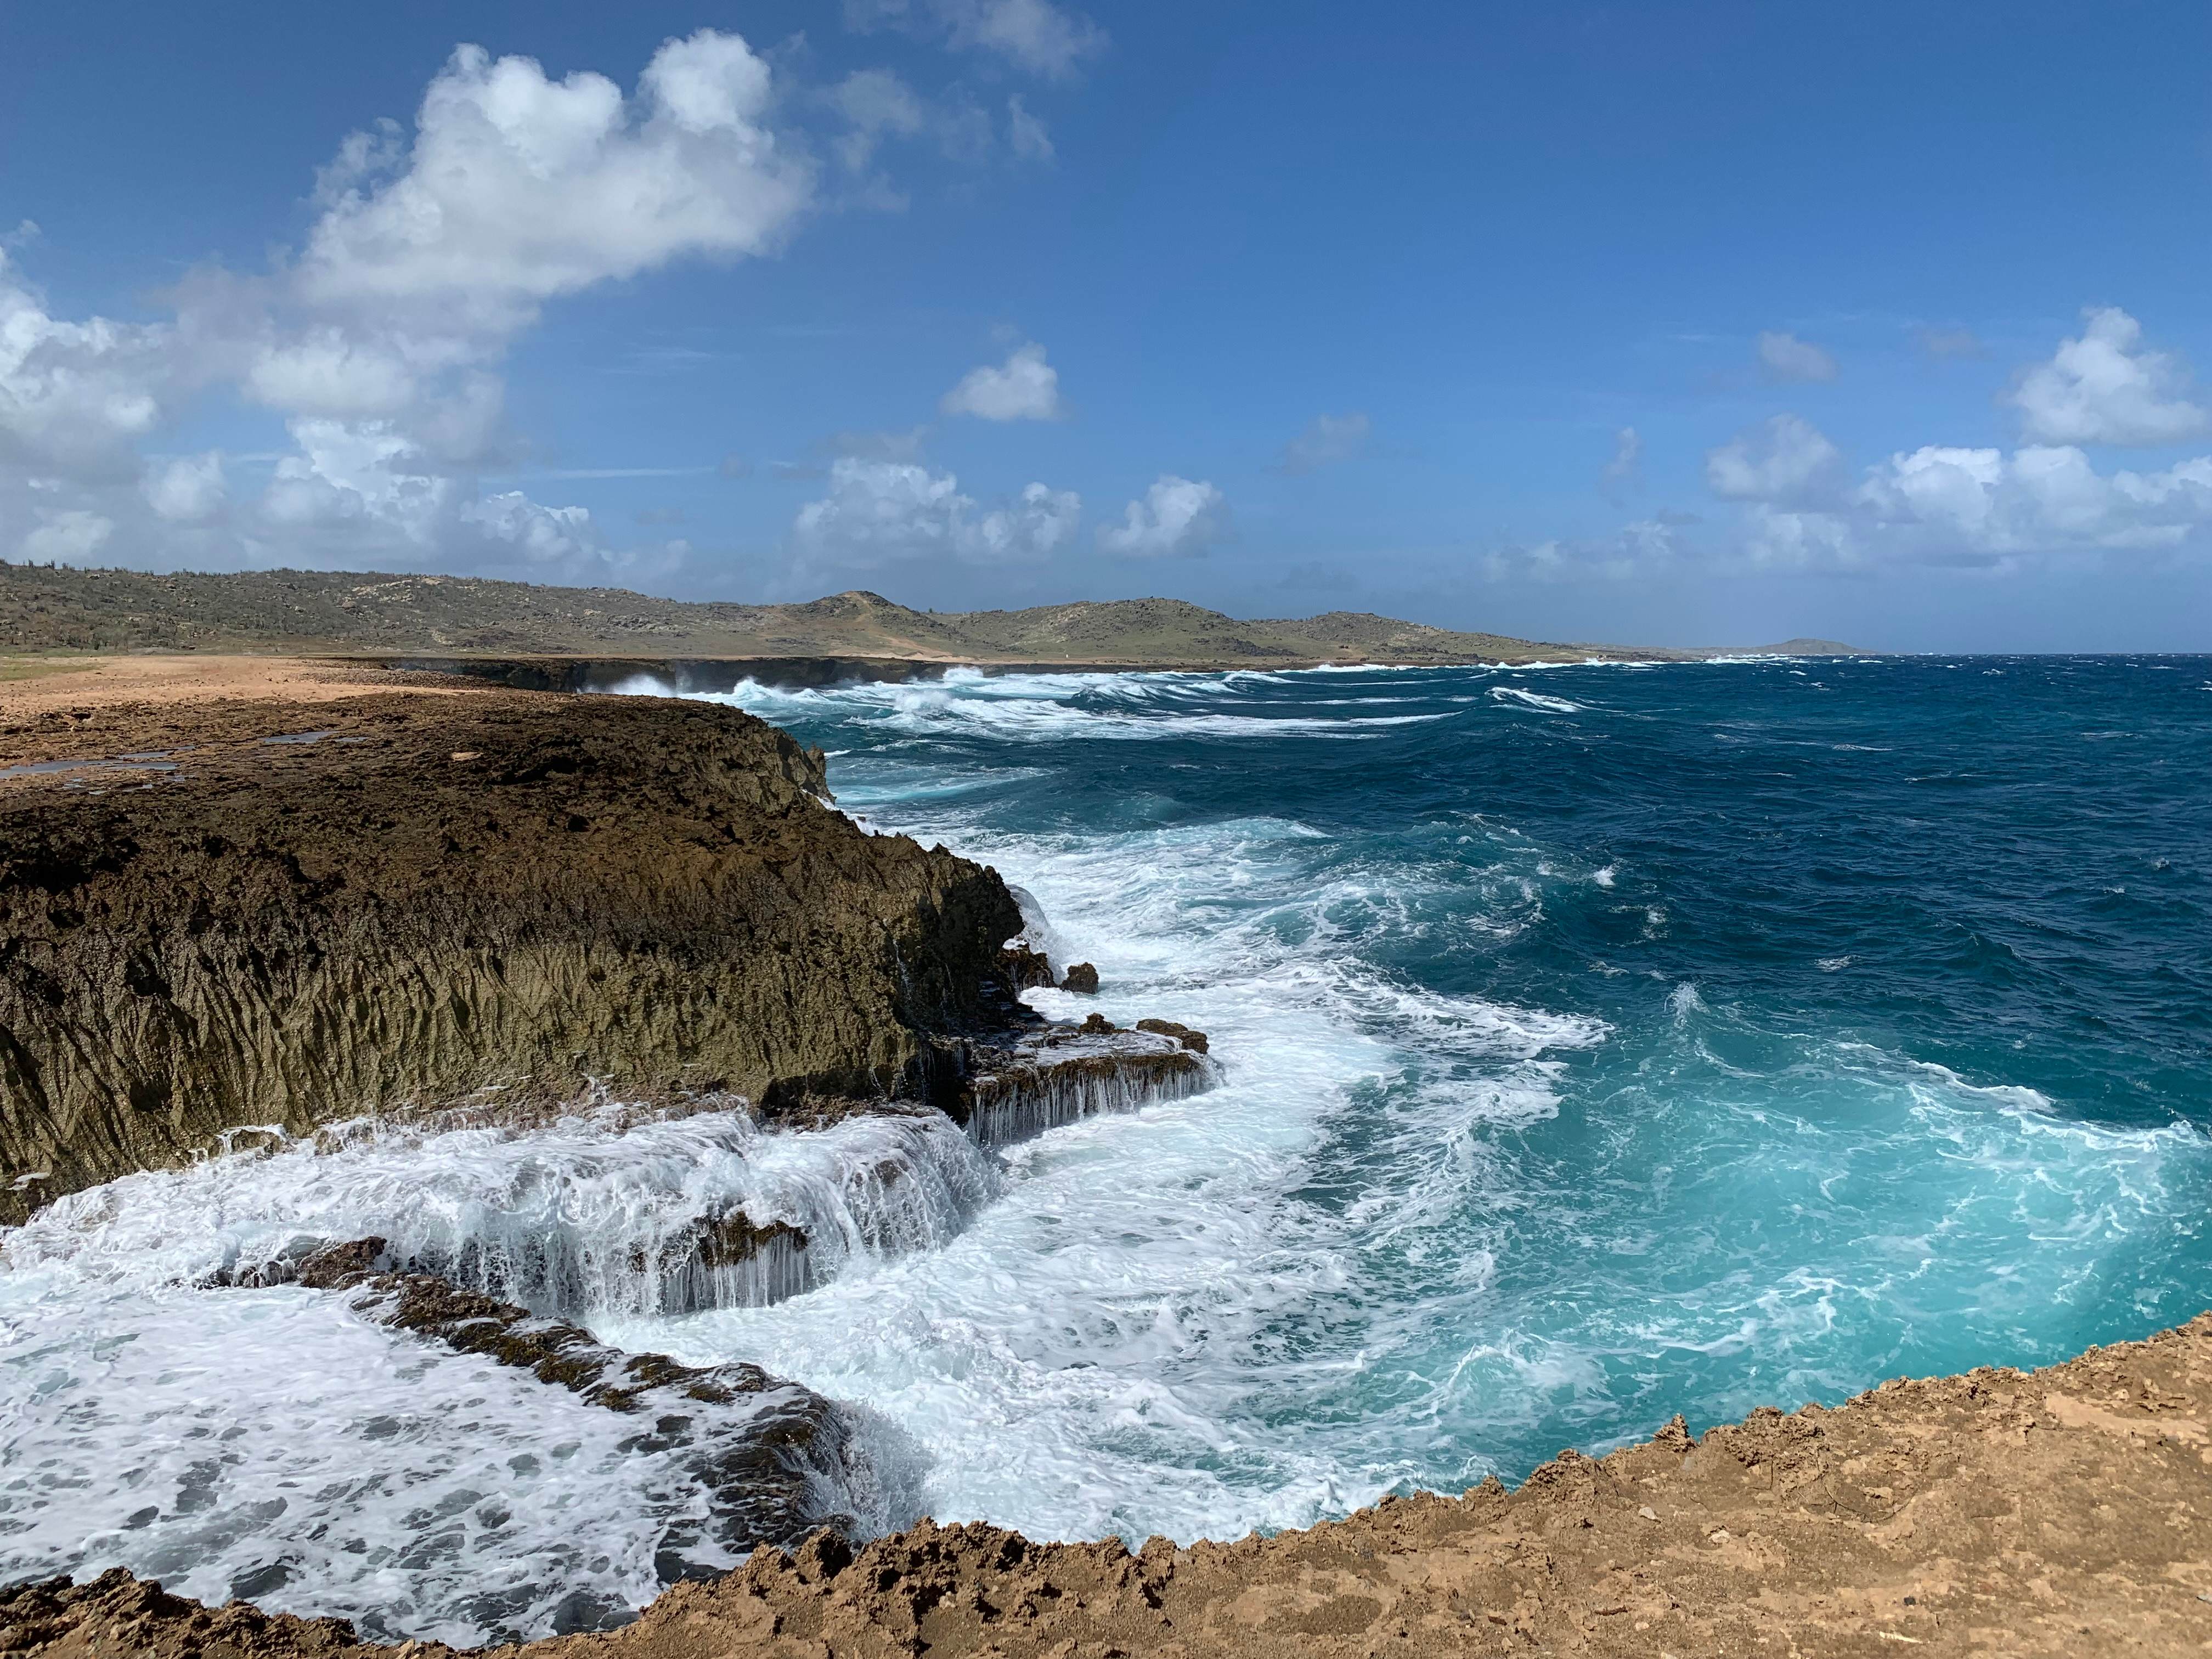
[[256, 913]]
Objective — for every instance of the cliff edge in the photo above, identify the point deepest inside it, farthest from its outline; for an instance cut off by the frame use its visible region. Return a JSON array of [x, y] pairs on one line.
[[257, 913]]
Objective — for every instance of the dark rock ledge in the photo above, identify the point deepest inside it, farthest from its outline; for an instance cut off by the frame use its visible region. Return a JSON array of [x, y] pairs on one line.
[[766, 1451]]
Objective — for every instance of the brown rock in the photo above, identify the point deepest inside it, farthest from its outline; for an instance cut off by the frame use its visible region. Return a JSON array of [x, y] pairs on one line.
[[1081, 977], [293, 932], [1025, 968], [1194, 1040]]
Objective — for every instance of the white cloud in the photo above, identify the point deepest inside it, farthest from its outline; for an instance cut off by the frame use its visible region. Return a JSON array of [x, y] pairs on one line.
[[2104, 388], [1786, 358], [541, 535], [1024, 388], [1622, 471], [1037, 525], [68, 537], [518, 188], [186, 490], [1176, 517], [1328, 439], [379, 342], [366, 489], [75, 395], [878, 511], [2038, 500], [1775, 538], [876, 103], [328, 370], [1784, 459], [1025, 135], [1045, 38]]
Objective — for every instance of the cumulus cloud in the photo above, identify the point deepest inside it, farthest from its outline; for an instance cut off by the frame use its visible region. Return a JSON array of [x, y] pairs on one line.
[[188, 489], [879, 511], [2104, 387], [1036, 35], [379, 344], [1176, 517], [76, 395], [1328, 439], [518, 188], [1025, 387], [68, 536], [1785, 459], [2040, 499], [1975, 508], [1786, 358]]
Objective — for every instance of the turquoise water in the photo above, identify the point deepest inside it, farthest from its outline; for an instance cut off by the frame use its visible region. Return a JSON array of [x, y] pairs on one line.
[[1602, 1043], [1595, 1043]]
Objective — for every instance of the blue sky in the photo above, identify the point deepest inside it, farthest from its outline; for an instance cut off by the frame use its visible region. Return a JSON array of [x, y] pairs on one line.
[[1669, 323]]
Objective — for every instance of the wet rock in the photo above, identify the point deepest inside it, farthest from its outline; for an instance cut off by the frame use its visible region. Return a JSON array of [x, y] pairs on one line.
[[1065, 1072], [1194, 1040], [1025, 969], [1081, 977], [733, 1261], [774, 1457]]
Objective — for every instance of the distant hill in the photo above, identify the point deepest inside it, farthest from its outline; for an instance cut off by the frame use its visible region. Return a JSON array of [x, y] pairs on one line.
[[45, 608]]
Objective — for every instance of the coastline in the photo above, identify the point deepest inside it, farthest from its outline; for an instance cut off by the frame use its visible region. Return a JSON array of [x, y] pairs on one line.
[[2059, 1511], [1813, 1528]]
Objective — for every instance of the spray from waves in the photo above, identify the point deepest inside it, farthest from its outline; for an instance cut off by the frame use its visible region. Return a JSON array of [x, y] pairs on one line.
[[1421, 1234], [270, 1444], [1124, 1343], [1049, 707], [591, 1215], [1535, 700]]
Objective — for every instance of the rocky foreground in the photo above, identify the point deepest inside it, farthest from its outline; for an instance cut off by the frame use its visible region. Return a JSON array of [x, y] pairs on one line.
[[2065, 1511]]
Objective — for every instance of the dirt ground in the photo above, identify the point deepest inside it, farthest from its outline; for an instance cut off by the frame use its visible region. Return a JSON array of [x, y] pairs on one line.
[[31, 686]]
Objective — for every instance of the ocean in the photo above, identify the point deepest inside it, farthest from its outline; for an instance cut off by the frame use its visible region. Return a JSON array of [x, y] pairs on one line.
[[1595, 1042]]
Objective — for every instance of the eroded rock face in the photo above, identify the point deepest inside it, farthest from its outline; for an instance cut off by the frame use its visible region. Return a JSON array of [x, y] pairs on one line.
[[1064, 1072], [415, 902]]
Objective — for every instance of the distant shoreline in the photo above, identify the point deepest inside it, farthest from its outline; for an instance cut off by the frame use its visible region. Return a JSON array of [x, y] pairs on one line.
[[369, 616]]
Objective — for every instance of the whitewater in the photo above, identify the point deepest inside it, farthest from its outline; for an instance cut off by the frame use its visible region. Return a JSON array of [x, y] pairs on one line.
[[1590, 1043]]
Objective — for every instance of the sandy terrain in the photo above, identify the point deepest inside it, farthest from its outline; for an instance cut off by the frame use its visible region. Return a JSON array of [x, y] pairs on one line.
[[32, 686]]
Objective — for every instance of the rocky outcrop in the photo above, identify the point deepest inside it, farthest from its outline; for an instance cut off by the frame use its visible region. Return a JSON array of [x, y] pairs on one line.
[[1065, 1073], [774, 1458], [257, 916]]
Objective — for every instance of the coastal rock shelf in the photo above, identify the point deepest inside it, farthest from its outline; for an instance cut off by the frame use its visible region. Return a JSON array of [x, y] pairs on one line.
[[1061, 1075], [774, 1460], [495, 898]]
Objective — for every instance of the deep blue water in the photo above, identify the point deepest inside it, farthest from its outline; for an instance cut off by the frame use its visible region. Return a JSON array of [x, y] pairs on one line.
[[1595, 1043], [1602, 1041]]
